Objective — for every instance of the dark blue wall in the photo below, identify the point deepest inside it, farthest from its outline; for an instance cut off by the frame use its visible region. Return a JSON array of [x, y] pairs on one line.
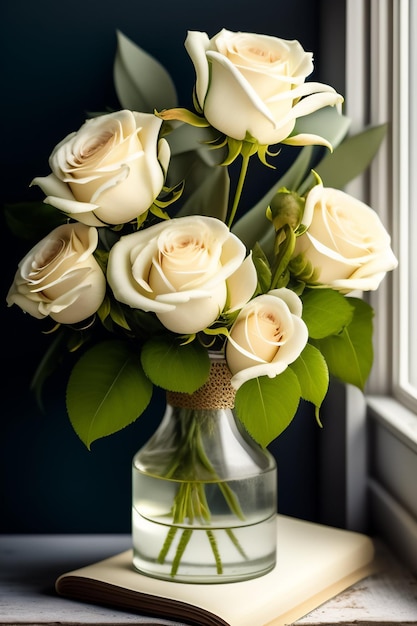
[[57, 61]]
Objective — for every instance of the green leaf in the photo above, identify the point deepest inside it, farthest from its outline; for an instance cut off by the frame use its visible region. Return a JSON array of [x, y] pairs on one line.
[[349, 159], [51, 360], [325, 312], [142, 324], [141, 82], [33, 220], [266, 406], [313, 375], [107, 390], [211, 197], [111, 308], [186, 138], [326, 122], [175, 366], [349, 355]]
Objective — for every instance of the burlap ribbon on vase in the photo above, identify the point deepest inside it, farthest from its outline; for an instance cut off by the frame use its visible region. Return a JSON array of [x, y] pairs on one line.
[[216, 393]]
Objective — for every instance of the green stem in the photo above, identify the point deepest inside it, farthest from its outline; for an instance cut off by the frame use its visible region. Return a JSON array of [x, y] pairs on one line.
[[237, 545], [239, 187], [190, 500], [185, 538], [167, 544], [280, 274], [215, 550]]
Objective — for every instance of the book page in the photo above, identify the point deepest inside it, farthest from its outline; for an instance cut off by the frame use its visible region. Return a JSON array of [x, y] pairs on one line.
[[314, 562]]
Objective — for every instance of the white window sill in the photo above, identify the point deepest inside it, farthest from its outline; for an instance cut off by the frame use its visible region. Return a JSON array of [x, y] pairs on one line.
[[392, 483], [395, 417]]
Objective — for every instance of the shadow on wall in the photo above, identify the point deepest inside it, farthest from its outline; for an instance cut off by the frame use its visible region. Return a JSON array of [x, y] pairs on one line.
[[57, 70]]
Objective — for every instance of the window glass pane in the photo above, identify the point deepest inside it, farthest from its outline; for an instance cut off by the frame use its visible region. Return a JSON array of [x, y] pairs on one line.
[[405, 200], [412, 320]]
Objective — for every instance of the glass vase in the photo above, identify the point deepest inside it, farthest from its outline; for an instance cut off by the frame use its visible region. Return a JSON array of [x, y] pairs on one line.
[[204, 493]]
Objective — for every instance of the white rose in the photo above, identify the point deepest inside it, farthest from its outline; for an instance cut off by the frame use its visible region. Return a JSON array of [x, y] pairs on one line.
[[60, 277], [249, 83], [267, 336], [346, 241], [110, 171], [184, 270]]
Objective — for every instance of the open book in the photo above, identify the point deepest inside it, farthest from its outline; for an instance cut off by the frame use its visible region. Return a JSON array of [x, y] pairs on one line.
[[314, 563]]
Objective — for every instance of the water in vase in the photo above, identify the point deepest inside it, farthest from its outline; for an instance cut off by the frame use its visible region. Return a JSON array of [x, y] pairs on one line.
[[227, 530]]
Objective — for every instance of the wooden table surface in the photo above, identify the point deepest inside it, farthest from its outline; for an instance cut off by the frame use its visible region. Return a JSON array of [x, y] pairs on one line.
[[30, 564]]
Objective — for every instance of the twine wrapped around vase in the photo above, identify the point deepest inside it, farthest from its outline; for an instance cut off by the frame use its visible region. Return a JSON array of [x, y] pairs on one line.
[[216, 393], [204, 491]]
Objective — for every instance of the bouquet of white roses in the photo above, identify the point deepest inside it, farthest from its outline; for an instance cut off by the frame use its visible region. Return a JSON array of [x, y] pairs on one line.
[[146, 264]]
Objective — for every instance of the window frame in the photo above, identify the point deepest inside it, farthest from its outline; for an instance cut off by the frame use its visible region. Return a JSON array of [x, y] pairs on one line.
[[375, 55]]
